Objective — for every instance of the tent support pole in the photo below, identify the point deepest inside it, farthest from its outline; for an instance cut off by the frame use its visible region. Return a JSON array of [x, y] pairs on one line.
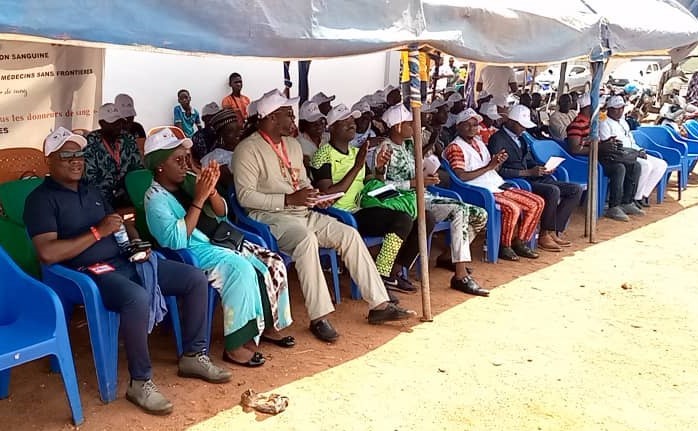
[[416, 103]]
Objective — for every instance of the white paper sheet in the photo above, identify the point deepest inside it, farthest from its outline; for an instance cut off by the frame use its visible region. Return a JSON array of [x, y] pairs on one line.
[[553, 162]]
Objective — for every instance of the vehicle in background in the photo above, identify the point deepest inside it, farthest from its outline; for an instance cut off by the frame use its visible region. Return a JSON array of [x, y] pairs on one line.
[[644, 71], [522, 72], [578, 79]]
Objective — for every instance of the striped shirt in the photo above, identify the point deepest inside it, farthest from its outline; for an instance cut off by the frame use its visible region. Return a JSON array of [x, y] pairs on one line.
[[579, 128]]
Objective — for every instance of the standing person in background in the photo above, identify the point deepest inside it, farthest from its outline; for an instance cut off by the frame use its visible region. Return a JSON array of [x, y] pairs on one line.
[[236, 101], [498, 81], [186, 117], [124, 103], [110, 154]]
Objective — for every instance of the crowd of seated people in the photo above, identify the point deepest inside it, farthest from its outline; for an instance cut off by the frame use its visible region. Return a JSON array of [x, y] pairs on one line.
[[284, 175]]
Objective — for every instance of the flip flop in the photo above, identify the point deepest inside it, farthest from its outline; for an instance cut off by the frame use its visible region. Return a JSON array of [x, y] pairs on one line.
[[257, 360], [286, 342]]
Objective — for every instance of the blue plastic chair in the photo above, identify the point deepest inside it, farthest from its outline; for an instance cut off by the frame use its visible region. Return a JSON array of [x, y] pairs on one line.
[[576, 169], [691, 127], [663, 137], [691, 145], [670, 155], [32, 327], [261, 229]]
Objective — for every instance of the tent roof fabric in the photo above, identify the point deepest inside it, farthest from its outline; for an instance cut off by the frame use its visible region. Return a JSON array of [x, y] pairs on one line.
[[502, 31]]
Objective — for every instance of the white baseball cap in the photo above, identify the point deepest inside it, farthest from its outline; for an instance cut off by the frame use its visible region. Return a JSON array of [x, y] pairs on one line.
[[59, 137], [271, 101], [615, 102], [396, 114], [454, 98], [210, 109], [109, 112], [430, 108], [521, 115], [483, 95], [310, 112], [584, 100], [341, 112], [670, 111], [361, 106], [489, 109], [321, 98], [165, 139], [124, 103], [467, 115]]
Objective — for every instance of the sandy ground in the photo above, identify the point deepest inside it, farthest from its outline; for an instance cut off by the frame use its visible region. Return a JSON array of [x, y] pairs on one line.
[[559, 345]]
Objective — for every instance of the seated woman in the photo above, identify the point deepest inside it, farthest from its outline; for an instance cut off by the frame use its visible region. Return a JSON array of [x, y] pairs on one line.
[[472, 163], [340, 167], [182, 211], [466, 220]]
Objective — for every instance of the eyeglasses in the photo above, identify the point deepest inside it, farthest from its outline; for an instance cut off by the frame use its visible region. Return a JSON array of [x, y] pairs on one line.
[[71, 155]]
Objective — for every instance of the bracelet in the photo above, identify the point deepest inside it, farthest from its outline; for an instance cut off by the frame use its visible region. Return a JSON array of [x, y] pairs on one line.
[[95, 233], [196, 206]]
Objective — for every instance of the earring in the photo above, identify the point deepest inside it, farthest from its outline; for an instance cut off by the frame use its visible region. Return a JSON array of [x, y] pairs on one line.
[[160, 170]]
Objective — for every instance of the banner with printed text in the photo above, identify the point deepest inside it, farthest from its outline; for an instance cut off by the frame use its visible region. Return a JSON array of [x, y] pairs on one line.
[[44, 86]]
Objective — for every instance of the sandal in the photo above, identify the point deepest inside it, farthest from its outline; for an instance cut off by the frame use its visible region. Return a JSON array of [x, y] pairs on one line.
[[257, 360], [508, 253], [286, 342]]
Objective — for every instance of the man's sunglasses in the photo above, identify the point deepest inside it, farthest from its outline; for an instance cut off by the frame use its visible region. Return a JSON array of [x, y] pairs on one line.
[[71, 155]]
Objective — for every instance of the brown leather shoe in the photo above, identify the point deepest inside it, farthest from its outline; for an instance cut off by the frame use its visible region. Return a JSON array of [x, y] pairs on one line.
[[560, 241], [547, 243]]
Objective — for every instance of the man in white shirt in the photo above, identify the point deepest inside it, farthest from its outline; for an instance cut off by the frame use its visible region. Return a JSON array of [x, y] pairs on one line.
[[498, 81], [442, 73], [652, 168]]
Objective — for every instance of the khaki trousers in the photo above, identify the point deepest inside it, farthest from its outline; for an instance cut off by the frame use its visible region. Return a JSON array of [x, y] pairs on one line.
[[301, 235]]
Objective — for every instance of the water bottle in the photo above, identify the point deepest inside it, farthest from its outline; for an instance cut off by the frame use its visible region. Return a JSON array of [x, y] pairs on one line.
[[121, 237]]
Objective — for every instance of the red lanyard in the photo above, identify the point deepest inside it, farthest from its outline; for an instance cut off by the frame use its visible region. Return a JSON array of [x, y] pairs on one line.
[[282, 154], [115, 152]]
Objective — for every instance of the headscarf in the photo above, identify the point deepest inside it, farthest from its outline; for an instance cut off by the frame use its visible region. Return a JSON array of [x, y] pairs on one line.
[[156, 158]]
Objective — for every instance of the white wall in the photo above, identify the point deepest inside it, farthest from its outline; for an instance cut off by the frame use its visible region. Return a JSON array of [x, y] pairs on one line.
[[153, 79]]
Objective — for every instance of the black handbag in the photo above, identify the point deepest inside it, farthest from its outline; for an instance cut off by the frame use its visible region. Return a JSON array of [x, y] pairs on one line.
[[620, 154], [227, 236]]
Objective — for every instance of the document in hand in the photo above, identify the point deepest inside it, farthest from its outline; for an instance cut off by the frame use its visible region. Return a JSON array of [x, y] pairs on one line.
[[553, 162], [381, 190], [330, 197], [431, 165]]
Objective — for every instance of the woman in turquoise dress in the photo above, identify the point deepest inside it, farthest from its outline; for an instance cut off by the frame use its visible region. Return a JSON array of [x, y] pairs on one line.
[[180, 210]]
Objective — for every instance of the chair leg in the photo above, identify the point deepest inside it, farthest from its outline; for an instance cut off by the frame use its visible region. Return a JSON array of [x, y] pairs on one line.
[[335, 277], [212, 296], [5, 383], [679, 179], [173, 311], [70, 382], [104, 337], [68, 311]]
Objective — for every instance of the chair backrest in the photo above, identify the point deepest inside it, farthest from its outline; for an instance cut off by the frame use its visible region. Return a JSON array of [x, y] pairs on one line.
[[642, 139], [13, 194], [544, 149], [661, 136], [137, 183], [18, 162]]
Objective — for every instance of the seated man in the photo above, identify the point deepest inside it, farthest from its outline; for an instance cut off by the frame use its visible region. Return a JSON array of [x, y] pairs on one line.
[[622, 177], [490, 120], [652, 169], [339, 167], [560, 119], [205, 139], [271, 183], [561, 198], [70, 223], [110, 154]]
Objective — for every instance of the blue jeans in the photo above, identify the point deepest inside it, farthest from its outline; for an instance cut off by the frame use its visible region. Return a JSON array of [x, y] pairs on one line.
[[122, 292]]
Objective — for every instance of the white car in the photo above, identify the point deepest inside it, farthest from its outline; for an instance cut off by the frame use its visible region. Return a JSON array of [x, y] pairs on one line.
[[578, 78], [647, 73]]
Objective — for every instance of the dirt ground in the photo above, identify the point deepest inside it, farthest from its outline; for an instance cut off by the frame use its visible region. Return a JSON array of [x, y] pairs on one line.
[[559, 345]]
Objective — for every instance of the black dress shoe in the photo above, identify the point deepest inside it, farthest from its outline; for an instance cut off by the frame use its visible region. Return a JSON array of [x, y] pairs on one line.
[[468, 285], [643, 203], [390, 313], [524, 251], [392, 298], [324, 331], [508, 253]]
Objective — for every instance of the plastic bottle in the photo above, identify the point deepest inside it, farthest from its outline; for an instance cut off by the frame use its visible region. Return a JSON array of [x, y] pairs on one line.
[[121, 237]]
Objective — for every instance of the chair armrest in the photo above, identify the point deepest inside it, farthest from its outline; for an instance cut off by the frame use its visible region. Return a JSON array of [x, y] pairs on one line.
[[444, 193], [344, 216], [73, 286], [520, 183], [561, 174], [250, 225]]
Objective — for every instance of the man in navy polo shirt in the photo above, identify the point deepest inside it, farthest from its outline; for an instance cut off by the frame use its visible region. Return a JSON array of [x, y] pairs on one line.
[[72, 224]]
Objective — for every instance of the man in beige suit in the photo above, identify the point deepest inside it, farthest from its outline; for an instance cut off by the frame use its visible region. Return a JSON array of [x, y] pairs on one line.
[[272, 185]]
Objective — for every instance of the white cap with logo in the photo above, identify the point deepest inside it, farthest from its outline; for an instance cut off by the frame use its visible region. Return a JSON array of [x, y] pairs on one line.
[[396, 114], [430, 108], [271, 101], [310, 112], [321, 98], [489, 109], [615, 102], [56, 139], [165, 139], [522, 115], [124, 104], [467, 115], [361, 106], [584, 100], [339, 113], [109, 112]]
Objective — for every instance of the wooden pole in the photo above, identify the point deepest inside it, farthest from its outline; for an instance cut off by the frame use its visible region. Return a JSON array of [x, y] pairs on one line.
[[533, 81], [416, 103], [561, 80]]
